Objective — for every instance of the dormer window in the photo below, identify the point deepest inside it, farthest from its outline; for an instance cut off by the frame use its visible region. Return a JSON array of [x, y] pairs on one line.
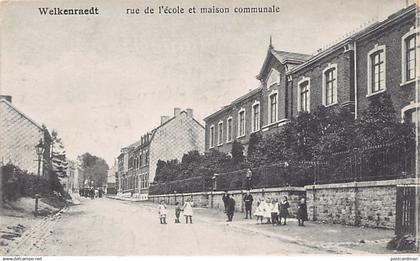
[[273, 78]]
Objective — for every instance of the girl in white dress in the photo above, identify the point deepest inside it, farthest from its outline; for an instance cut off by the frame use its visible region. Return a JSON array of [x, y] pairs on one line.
[[188, 211], [162, 212], [267, 210], [259, 212]]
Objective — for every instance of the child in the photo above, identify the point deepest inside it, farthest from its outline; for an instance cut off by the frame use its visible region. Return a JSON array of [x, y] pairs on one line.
[[283, 209], [162, 212], [177, 212], [302, 214], [274, 212], [267, 210], [188, 211], [259, 212]]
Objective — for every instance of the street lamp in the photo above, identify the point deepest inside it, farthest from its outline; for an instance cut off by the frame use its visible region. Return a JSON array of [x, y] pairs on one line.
[[39, 148]]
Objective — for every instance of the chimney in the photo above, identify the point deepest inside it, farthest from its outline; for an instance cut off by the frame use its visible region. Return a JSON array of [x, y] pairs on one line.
[[163, 119], [6, 97], [177, 111], [190, 113]]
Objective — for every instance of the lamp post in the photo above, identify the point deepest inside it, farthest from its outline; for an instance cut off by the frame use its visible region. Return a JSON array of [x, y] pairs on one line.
[[39, 151]]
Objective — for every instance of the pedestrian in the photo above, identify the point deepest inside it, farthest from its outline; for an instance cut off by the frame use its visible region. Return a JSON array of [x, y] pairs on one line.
[[274, 212], [162, 212], [230, 208], [259, 212], [302, 213], [92, 193], [188, 211], [267, 210], [283, 209], [225, 199], [177, 212], [248, 199]]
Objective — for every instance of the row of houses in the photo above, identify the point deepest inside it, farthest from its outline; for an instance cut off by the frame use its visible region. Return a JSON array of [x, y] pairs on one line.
[[378, 59], [136, 164]]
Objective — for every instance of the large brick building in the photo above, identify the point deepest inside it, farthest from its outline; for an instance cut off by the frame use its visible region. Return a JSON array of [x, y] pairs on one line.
[[19, 135], [170, 140], [381, 58]]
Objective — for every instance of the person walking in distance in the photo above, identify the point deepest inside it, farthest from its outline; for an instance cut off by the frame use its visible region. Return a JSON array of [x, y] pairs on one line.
[[248, 199], [162, 212], [302, 213], [283, 209], [225, 199], [230, 208], [188, 211]]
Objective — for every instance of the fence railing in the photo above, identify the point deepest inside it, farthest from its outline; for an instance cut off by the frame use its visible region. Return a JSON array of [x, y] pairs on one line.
[[368, 164]]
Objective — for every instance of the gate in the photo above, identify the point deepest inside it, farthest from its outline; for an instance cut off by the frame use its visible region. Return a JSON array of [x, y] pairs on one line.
[[405, 220]]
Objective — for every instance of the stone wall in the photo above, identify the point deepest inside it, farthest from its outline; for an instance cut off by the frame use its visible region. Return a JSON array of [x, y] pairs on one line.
[[214, 199], [370, 203]]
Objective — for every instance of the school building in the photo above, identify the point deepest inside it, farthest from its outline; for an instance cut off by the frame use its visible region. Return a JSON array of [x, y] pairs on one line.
[[380, 58]]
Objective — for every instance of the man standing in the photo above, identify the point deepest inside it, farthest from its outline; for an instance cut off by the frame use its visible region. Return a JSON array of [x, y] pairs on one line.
[[248, 199], [230, 208], [225, 199]]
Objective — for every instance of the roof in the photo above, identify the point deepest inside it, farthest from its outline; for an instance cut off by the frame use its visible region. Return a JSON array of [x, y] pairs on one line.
[[21, 113], [236, 101], [138, 143], [356, 36], [283, 57]]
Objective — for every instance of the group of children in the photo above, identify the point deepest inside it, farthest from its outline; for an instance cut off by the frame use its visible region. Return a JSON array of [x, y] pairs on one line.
[[186, 209], [272, 210], [276, 212]]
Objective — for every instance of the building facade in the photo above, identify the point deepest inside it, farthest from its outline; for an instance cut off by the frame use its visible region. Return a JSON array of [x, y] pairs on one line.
[[19, 136], [379, 59], [71, 182], [175, 136]]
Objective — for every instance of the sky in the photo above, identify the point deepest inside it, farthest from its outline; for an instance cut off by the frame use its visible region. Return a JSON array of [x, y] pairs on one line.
[[103, 81]]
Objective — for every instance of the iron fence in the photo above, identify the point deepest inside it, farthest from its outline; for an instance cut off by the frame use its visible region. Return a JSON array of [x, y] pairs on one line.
[[384, 162]]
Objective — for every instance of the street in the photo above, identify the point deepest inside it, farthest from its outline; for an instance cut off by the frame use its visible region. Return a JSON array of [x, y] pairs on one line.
[[111, 227]]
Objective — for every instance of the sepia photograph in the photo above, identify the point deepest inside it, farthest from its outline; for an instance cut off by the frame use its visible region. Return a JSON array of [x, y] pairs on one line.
[[157, 128]]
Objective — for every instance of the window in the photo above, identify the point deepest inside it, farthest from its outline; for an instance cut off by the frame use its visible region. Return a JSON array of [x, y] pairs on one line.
[[411, 113], [273, 107], [408, 49], [220, 133], [376, 70], [211, 136], [229, 129], [329, 82], [273, 78], [304, 95], [256, 116], [241, 123]]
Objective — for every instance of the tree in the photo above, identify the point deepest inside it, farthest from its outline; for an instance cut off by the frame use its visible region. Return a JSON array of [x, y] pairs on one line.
[[93, 168], [379, 125], [237, 154], [255, 149], [58, 158]]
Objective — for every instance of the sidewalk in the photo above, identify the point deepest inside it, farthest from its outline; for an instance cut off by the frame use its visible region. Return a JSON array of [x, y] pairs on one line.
[[335, 238]]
